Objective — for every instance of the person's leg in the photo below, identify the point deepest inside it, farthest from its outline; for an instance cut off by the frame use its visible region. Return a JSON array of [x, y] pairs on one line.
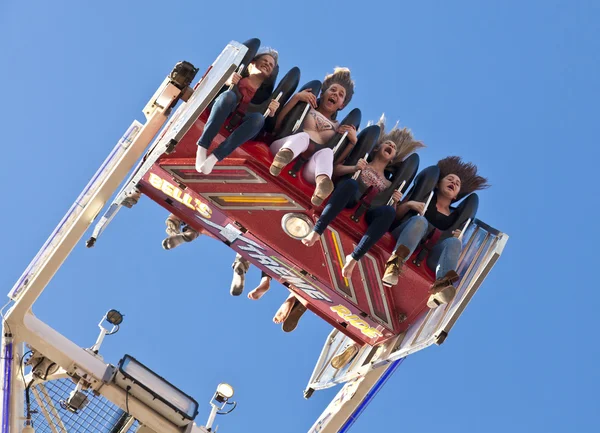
[[173, 225], [188, 234], [223, 106], [323, 172], [285, 309], [408, 236], [410, 233], [444, 256], [240, 266], [248, 129], [262, 288], [444, 259], [345, 356], [286, 149], [343, 194], [379, 220]]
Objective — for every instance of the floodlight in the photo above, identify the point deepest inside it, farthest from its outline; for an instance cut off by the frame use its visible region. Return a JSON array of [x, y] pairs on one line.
[[224, 392], [296, 225], [114, 317], [219, 401], [155, 392]]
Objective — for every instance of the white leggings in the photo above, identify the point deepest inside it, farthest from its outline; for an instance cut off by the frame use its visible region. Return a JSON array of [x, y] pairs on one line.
[[321, 162]]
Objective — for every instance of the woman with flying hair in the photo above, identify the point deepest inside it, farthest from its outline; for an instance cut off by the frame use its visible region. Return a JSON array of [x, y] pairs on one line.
[[457, 180], [320, 126], [391, 148]]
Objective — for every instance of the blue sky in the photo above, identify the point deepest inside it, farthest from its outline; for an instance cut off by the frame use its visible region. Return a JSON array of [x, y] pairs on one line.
[[510, 85]]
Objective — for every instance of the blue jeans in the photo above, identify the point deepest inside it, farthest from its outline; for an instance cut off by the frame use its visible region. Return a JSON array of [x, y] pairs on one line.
[[224, 105], [442, 258], [379, 219]]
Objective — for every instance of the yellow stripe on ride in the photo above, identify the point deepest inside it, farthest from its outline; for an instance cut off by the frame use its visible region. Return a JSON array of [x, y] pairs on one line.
[[228, 199], [339, 255]]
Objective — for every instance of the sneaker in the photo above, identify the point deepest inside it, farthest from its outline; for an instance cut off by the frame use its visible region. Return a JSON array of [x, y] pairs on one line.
[[132, 198], [173, 241], [240, 267], [342, 359], [322, 191], [173, 225], [187, 235], [282, 158]]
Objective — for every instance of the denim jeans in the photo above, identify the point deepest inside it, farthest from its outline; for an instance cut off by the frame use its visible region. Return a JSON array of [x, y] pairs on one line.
[[379, 218], [442, 258], [250, 126]]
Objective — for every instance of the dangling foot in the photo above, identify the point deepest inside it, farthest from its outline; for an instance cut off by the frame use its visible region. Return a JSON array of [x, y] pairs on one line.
[[209, 164], [188, 234], [173, 241], [323, 190], [200, 158], [173, 225], [240, 267], [441, 283], [442, 297], [394, 265], [132, 198], [344, 358], [311, 239], [291, 321], [348, 266], [443, 291], [282, 158], [285, 310], [261, 289]]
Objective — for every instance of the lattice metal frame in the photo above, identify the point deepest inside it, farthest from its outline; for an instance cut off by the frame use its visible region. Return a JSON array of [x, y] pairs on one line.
[[51, 416]]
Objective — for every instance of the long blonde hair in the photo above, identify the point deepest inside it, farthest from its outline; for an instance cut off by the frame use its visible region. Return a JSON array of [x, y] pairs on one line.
[[402, 138]]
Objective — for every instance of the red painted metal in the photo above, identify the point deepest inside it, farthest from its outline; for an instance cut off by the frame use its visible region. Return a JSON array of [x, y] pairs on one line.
[[245, 175]]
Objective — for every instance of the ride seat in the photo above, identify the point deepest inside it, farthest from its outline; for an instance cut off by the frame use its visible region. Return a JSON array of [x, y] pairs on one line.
[[293, 124], [425, 182]]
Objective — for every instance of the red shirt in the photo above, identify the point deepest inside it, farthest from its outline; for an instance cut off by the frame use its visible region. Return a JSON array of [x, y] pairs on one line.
[[247, 91]]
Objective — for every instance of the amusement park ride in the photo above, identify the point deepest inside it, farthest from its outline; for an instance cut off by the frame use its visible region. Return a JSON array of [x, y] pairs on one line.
[[49, 382]]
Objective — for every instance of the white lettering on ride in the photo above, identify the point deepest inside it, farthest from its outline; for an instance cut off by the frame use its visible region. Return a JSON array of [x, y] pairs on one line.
[[287, 275], [255, 251]]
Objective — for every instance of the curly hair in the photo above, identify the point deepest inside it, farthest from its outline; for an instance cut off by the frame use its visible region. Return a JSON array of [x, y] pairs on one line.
[[342, 77], [470, 181], [402, 138]]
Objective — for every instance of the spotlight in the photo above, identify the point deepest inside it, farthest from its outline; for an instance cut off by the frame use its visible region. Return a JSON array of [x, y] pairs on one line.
[[219, 401], [296, 225], [224, 392], [114, 317]]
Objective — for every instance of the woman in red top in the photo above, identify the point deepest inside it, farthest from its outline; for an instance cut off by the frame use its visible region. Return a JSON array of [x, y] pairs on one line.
[[259, 71], [391, 148]]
